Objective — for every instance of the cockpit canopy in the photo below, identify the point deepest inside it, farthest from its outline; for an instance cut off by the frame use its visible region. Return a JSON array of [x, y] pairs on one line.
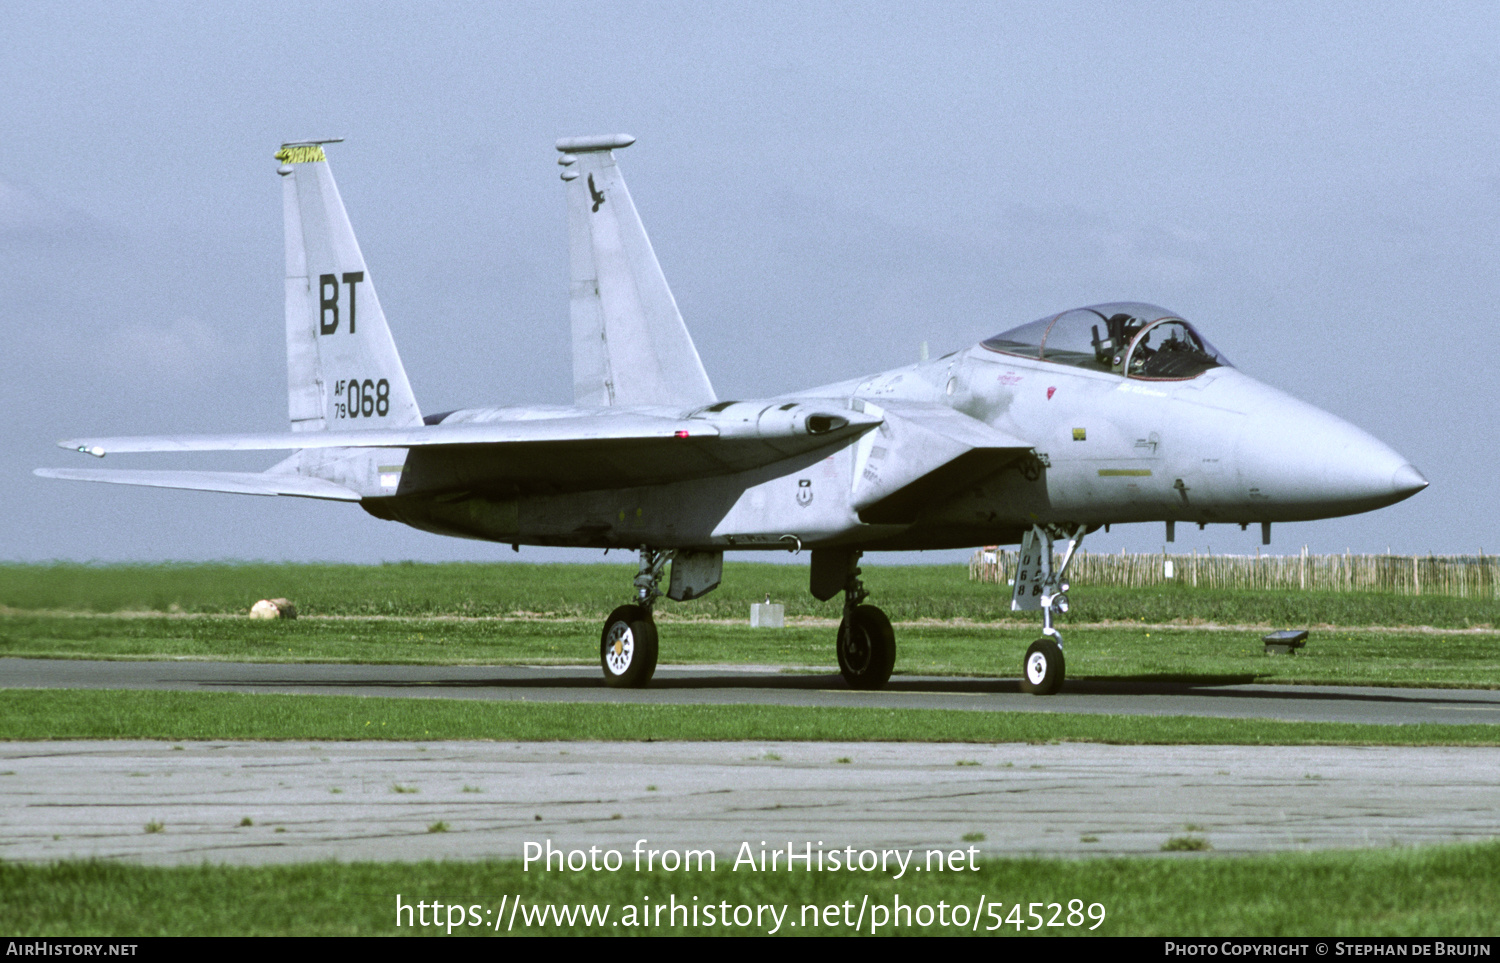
[[1128, 338]]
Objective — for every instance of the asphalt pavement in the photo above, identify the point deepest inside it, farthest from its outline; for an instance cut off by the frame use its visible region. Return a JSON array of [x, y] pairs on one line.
[[764, 685]]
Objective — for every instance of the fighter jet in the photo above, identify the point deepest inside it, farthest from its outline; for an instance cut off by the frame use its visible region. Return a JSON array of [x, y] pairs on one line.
[[1094, 416]]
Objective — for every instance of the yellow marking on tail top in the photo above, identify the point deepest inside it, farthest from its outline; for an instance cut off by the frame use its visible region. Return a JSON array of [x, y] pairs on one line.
[[302, 154]]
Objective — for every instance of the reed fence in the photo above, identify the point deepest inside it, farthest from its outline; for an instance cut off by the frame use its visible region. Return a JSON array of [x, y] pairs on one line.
[[1465, 576]]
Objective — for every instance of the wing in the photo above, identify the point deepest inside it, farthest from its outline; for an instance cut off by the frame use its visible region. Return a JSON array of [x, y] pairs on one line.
[[237, 483]]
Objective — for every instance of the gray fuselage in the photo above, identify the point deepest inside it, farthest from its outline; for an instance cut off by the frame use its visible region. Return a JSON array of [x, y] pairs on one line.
[[1217, 447]]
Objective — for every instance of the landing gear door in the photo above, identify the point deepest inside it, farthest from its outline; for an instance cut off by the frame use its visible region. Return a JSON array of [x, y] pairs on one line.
[[694, 574], [1026, 596]]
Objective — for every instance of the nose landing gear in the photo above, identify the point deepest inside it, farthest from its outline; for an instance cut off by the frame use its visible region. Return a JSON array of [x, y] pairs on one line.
[[1044, 669], [1038, 586]]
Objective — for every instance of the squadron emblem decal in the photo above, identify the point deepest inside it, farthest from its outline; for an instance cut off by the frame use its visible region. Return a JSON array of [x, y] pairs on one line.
[[594, 193], [804, 492]]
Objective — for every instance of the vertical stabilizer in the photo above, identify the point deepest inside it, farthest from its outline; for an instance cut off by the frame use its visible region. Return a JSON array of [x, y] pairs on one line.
[[342, 367], [630, 346]]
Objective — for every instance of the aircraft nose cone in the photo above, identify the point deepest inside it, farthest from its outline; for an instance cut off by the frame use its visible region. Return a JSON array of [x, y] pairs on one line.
[[1296, 462], [1353, 468], [1407, 481], [1303, 463]]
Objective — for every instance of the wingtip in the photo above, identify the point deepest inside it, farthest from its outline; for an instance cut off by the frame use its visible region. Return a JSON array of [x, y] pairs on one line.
[[78, 444], [580, 145]]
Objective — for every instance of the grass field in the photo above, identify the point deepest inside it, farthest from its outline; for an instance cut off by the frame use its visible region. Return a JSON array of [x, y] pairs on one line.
[[590, 591], [1441, 891], [439, 614], [39, 714], [492, 614]]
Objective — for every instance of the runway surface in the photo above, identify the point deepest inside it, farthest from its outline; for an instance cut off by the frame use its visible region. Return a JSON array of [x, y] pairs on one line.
[[767, 686], [358, 801], [376, 801]]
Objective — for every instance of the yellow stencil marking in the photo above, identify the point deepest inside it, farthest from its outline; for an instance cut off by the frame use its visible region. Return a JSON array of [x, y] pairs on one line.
[[303, 154]]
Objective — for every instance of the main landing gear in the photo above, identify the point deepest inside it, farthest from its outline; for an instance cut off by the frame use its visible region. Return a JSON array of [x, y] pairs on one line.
[[1038, 586], [627, 647], [867, 643]]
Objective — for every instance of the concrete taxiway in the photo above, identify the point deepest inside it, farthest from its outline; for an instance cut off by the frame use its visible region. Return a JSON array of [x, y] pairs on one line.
[[288, 802], [722, 685], [378, 801]]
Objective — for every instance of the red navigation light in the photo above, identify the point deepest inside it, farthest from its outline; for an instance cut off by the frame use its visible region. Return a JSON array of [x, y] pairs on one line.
[[682, 433]]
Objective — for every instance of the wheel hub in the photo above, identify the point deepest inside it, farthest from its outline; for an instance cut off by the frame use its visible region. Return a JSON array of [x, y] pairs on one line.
[[1036, 668], [621, 648], [857, 650]]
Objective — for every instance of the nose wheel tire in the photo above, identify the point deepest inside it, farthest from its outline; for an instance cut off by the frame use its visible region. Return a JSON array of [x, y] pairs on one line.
[[627, 647], [1043, 671], [866, 648]]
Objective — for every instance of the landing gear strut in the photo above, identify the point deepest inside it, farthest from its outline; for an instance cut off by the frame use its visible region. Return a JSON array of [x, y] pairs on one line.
[[627, 647], [867, 643], [1038, 586]]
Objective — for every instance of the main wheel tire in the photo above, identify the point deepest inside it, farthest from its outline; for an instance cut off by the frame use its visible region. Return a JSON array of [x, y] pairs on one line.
[[867, 648], [627, 647], [1044, 669]]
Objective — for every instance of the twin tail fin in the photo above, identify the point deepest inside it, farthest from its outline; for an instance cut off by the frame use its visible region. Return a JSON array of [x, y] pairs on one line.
[[343, 370], [630, 346]]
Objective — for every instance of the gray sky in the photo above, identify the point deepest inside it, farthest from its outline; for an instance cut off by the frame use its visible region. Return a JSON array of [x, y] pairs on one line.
[[1316, 186]]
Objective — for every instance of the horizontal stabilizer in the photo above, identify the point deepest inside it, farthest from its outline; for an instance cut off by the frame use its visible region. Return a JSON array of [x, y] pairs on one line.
[[594, 426], [535, 449], [237, 483], [577, 428]]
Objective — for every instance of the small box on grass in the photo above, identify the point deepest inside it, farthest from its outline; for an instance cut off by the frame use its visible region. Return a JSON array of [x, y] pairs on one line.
[[1285, 642], [767, 615]]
